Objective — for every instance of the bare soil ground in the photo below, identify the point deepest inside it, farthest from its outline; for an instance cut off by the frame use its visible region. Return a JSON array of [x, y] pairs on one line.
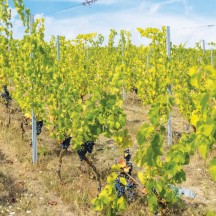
[[27, 189]]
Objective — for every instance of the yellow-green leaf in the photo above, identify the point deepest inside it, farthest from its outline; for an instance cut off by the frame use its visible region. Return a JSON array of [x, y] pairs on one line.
[[122, 204], [123, 181], [203, 150], [212, 169]]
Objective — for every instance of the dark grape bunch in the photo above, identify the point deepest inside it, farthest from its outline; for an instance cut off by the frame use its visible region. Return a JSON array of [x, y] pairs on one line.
[[130, 190], [155, 192], [135, 90], [130, 185], [86, 147], [66, 143], [127, 155], [81, 153], [6, 96], [120, 188], [39, 125], [130, 165], [89, 146]]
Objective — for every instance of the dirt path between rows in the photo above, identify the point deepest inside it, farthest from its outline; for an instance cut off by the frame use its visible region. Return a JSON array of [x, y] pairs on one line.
[[22, 188]]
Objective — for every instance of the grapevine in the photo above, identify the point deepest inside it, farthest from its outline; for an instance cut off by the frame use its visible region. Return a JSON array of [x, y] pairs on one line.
[[79, 99]]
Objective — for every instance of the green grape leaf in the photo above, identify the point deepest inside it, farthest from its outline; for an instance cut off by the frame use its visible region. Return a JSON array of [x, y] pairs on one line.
[[117, 125], [111, 178], [204, 101], [143, 133], [207, 129], [211, 213], [159, 186], [203, 150], [121, 203], [116, 167], [195, 77], [141, 177], [194, 118], [123, 181], [98, 204], [212, 169]]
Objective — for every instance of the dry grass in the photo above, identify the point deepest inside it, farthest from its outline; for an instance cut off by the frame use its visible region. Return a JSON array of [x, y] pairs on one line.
[[36, 190]]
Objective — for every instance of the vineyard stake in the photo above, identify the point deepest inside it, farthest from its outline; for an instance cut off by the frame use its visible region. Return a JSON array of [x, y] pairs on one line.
[[203, 45], [34, 139], [147, 61], [168, 52], [212, 60], [123, 89], [34, 136], [58, 48]]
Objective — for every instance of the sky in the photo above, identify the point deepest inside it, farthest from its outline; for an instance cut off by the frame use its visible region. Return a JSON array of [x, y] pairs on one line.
[[189, 20]]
